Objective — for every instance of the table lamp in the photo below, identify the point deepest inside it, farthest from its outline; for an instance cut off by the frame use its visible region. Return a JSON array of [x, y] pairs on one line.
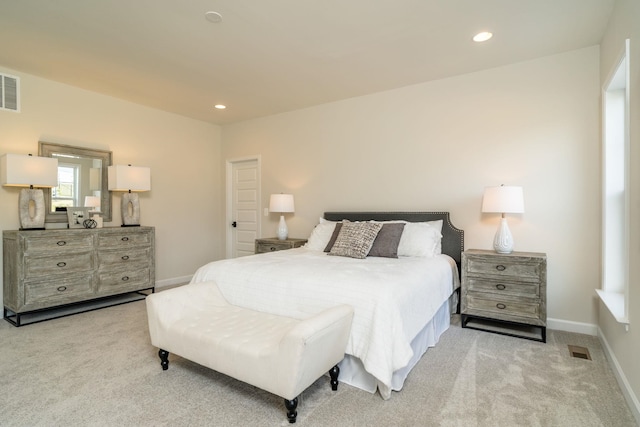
[[21, 170], [131, 179], [503, 199], [281, 203]]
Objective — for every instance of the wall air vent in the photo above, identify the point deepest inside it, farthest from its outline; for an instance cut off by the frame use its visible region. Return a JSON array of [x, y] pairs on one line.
[[9, 93]]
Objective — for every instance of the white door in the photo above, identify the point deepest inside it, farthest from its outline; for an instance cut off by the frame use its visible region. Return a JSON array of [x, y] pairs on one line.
[[243, 206]]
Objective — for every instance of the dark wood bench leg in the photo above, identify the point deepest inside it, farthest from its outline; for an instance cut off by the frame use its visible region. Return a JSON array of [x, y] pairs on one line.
[[164, 359], [333, 373], [291, 406]]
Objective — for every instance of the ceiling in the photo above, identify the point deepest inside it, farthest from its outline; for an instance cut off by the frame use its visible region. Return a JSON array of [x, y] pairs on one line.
[[270, 56]]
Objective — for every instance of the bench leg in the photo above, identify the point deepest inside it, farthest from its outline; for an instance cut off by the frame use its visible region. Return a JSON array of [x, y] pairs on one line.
[[333, 373], [291, 406], [164, 359]]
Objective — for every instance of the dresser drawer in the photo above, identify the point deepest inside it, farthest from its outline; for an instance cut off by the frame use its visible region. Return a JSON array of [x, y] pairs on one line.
[[66, 263], [504, 267], [503, 287], [502, 308], [272, 247], [124, 239], [58, 243], [110, 282], [57, 291], [123, 257]]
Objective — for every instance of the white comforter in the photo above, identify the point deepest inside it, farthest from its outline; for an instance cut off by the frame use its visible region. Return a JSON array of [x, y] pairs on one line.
[[392, 298]]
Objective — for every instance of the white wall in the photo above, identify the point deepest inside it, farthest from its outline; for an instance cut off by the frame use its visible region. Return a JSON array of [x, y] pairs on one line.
[[435, 146], [625, 346], [183, 154]]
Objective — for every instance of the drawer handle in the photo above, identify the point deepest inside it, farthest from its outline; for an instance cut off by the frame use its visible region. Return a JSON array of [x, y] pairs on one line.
[[61, 264], [62, 288], [272, 248], [125, 239], [501, 287], [501, 306], [61, 243], [125, 278], [501, 267], [125, 257]]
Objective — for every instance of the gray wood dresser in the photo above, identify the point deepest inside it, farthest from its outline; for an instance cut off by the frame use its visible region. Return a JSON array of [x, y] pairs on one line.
[[45, 269], [272, 244], [506, 294]]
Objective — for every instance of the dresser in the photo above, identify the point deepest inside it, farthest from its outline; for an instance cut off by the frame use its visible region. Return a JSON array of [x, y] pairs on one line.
[[272, 244], [46, 269], [506, 294]]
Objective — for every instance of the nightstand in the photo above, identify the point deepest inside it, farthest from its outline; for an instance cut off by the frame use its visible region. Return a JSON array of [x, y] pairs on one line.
[[505, 293], [272, 244]]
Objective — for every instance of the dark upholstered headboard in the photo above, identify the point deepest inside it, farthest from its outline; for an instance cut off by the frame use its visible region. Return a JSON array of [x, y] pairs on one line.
[[452, 237]]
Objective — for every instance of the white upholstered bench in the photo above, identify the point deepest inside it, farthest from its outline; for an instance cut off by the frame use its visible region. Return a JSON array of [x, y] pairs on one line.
[[278, 354]]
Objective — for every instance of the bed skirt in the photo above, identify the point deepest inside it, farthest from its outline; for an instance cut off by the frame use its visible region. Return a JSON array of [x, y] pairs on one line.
[[352, 371]]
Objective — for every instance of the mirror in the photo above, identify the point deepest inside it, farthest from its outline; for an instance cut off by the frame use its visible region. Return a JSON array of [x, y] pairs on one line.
[[82, 173]]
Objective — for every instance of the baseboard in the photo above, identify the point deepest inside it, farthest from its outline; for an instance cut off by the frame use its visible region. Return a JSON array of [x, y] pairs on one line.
[[570, 326], [625, 387], [173, 281]]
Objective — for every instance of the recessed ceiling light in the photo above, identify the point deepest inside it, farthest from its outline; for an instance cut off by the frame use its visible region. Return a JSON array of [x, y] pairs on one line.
[[212, 16], [220, 106], [482, 37]]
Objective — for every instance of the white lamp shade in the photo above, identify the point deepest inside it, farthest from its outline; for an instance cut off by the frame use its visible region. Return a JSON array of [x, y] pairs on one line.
[[21, 170], [129, 178], [91, 201], [503, 199], [281, 203]]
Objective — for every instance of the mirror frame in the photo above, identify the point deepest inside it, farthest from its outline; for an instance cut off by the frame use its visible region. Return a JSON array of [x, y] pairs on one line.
[[47, 149]]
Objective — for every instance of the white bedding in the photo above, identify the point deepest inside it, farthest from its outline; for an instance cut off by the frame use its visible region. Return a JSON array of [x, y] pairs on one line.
[[393, 299]]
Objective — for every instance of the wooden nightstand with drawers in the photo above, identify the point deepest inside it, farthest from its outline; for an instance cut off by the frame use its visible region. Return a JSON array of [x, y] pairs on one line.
[[272, 244], [505, 293]]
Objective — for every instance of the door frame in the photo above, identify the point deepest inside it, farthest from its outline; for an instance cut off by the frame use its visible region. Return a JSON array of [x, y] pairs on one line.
[[229, 199]]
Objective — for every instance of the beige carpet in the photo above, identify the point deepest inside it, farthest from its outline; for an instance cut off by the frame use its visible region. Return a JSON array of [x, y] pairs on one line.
[[99, 369]]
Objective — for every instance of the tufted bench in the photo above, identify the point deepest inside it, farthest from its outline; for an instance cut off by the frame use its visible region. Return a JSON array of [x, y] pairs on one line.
[[278, 354]]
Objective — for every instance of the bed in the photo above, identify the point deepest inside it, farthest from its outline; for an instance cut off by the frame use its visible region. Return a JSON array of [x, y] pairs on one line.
[[402, 304]]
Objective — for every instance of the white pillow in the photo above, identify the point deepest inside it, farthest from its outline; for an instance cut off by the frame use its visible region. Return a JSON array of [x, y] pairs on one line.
[[320, 235], [420, 239]]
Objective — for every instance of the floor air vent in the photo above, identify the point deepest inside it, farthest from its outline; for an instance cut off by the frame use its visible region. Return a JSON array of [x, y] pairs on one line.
[[9, 93], [579, 352]]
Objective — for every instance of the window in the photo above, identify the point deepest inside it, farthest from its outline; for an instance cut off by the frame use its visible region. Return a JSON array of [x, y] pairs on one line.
[[66, 193], [615, 204]]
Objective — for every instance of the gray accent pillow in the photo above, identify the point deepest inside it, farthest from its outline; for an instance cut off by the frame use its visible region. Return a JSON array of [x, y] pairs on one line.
[[355, 239], [387, 241]]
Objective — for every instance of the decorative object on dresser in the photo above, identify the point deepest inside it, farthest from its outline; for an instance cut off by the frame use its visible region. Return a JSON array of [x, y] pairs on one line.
[[272, 244], [76, 216], [505, 293], [28, 171], [57, 268], [503, 199], [281, 203], [129, 178]]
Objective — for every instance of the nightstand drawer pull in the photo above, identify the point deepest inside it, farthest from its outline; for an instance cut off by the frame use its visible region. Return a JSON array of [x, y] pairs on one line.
[[61, 264], [501, 267], [273, 248], [501, 306], [124, 257], [501, 287], [62, 288], [61, 243], [125, 239], [125, 278]]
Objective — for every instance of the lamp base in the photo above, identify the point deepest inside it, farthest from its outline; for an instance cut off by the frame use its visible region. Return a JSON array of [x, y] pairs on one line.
[[130, 210], [503, 241], [283, 232], [31, 209]]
